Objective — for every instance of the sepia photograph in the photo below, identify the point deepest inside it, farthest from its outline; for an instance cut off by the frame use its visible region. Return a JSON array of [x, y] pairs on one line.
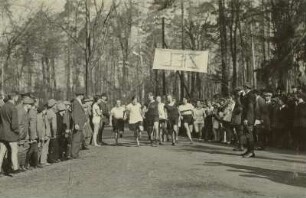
[[153, 98]]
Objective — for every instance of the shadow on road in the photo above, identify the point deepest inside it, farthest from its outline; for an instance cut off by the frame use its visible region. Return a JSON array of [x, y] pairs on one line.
[[279, 176], [227, 151]]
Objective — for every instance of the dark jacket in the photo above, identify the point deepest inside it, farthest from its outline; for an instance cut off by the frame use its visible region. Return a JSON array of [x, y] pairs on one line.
[[105, 110], [33, 125], [300, 116], [248, 104], [237, 111], [9, 127], [78, 114], [263, 112]]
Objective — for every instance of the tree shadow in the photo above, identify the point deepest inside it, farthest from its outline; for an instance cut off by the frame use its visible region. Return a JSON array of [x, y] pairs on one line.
[[297, 179]]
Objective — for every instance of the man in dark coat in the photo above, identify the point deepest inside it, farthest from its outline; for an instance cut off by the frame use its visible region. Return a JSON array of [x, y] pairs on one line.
[[248, 118], [105, 112], [79, 119], [9, 132]]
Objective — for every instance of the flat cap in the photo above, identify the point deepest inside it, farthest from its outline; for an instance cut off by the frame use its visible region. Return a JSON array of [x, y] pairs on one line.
[[28, 100], [79, 92], [61, 107], [248, 85], [51, 102]]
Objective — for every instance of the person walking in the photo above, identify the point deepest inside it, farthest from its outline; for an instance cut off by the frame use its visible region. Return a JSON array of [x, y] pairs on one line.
[[248, 118], [79, 119], [9, 132], [116, 120]]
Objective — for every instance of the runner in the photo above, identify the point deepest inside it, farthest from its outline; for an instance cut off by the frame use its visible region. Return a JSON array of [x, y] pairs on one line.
[[116, 120], [173, 115], [96, 119], [162, 119], [186, 110], [152, 120], [135, 118], [199, 117]]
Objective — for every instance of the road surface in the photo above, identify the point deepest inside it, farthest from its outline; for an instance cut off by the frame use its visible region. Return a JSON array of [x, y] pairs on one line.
[[198, 170]]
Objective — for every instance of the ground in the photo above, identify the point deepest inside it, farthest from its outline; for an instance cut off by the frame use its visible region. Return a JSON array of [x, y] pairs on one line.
[[198, 170]]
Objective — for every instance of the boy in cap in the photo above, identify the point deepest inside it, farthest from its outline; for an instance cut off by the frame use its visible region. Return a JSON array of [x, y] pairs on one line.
[[24, 122]]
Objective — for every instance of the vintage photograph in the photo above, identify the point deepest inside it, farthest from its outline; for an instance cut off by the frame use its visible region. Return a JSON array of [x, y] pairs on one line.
[[153, 98]]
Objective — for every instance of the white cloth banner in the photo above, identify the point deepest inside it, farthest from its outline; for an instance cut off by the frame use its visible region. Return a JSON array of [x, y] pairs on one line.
[[181, 60]]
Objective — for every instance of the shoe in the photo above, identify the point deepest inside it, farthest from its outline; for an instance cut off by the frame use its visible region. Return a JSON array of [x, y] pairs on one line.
[[249, 155], [17, 171], [85, 148], [237, 149], [160, 143], [173, 144]]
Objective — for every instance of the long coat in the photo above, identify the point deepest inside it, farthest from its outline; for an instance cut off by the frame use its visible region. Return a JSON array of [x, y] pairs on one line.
[[248, 103], [78, 114], [9, 127], [237, 111]]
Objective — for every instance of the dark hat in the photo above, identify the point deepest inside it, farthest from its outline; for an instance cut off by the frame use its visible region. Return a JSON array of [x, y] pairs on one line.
[[51, 102], [41, 108], [248, 85], [61, 107], [103, 95], [79, 92], [28, 100], [237, 89], [88, 99]]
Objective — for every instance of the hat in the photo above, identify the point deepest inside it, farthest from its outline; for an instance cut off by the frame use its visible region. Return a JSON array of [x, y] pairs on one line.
[[61, 107], [237, 89], [88, 99], [248, 85], [51, 103], [79, 92], [67, 102], [28, 100], [103, 95], [41, 108]]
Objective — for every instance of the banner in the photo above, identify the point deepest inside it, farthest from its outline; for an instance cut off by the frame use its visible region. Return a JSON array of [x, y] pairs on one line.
[[180, 60]]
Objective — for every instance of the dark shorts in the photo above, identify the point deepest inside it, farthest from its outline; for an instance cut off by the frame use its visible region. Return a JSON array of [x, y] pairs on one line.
[[162, 121], [188, 119], [135, 126], [171, 123], [118, 125], [150, 121]]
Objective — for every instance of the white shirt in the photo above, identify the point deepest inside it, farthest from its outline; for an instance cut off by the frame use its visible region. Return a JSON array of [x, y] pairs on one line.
[[134, 113], [117, 112], [186, 109], [199, 115], [161, 111]]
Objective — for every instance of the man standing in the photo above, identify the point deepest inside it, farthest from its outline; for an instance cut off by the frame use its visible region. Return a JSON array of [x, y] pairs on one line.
[[32, 154], [53, 156], [248, 118], [105, 112], [236, 121], [79, 119], [116, 119], [9, 131], [24, 122], [60, 136], [43, 134]]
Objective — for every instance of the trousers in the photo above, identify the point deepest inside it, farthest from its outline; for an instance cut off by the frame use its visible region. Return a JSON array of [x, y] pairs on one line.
[[11, 150], [76, 143]]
